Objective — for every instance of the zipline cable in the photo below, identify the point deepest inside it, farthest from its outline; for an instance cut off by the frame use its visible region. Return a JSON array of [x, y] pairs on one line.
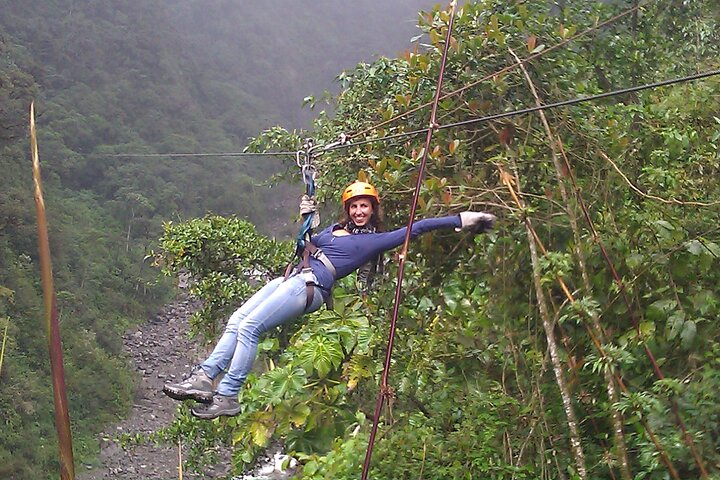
[[180, 154], [345, 137], [523, 111], [384, 389], [497, 116], [508, 68]]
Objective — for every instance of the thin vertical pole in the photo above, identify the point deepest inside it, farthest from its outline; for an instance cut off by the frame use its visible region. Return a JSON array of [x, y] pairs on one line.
[[384, 390], [180, 461], [2, 349], [62, 417]]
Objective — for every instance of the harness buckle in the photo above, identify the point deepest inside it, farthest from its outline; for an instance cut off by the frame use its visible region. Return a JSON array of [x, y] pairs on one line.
[[308, 275]]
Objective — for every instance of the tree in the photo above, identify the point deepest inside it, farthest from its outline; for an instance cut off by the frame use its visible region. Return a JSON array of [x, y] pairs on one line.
[[603, 255]]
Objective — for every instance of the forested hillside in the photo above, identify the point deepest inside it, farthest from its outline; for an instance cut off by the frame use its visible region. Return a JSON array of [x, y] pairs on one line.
[[577, 341], [117, 77]]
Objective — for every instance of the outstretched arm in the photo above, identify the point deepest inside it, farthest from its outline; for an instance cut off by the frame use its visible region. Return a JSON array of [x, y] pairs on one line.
[[348, 252], [469, 221]]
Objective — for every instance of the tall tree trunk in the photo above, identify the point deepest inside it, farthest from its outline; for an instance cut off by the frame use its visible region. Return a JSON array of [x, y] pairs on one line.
[[548, 325], [127, 238], [615, 416]]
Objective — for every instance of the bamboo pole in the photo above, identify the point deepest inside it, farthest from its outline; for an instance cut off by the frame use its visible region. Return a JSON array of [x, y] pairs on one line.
[[2, 350], [615, 416], [687, 438], [508, 180], [180, 461], [548, 325], [52, 324]]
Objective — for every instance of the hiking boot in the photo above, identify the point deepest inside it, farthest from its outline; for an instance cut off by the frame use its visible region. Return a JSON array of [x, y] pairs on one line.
[[198, 387], [221, 405]]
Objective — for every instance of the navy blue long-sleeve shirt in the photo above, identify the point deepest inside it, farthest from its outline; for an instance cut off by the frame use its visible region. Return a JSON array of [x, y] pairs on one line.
[[348, 252]]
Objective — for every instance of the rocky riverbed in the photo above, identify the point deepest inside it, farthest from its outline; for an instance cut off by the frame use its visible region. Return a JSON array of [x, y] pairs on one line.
[[160, 352]]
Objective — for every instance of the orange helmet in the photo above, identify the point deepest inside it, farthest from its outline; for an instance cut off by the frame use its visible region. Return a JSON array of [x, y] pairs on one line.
[[359, 189]]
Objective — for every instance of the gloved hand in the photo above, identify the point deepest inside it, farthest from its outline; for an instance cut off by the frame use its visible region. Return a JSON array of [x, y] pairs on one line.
[[476, 221], [308, 205]]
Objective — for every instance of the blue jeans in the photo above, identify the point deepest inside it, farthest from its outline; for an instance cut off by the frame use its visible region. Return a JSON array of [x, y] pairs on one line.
[[276, 303]]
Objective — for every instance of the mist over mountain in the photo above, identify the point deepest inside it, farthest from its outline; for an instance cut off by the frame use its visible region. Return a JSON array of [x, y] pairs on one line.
[[228, 58], [283, 51]]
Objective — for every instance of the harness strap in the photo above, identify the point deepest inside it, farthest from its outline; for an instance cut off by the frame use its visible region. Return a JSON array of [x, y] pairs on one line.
[[304, 266], [310, 292], [317, 253]]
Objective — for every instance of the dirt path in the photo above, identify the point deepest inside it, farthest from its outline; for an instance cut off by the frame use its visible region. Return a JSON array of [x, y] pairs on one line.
[[160, 351]]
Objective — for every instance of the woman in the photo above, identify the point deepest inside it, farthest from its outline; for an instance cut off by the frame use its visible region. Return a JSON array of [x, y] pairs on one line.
[[341, 249]]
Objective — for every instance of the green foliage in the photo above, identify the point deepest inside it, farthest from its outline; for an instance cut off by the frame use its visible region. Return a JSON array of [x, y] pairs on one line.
[[469, 314], [466, 451], [442, 443], [110, 78], [104, 213], [226, 258], [473, 394], [97, 301]]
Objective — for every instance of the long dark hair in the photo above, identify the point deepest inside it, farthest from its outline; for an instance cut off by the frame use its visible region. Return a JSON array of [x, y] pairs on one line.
[[377, 220], [366, 273]]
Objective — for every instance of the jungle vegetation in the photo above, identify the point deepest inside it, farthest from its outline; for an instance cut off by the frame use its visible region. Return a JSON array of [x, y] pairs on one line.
[[579, 340]]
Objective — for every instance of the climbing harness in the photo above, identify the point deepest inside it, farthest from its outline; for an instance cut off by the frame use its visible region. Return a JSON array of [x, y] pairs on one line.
[[310, 217], [304, 269], [304, 160], [304, 248]]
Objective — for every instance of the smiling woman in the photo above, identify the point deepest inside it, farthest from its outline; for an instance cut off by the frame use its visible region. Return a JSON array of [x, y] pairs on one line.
[[332, 254], [361, 205], [362, 214]]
